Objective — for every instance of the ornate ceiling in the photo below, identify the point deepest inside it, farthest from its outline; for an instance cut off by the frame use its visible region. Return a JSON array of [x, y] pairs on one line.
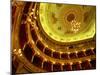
[[64, 22]]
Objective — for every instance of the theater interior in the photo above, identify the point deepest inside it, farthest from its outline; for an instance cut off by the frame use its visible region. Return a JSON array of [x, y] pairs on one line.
[[52, 37]]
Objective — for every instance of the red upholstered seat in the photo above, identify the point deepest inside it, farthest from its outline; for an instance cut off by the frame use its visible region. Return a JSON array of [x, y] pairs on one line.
[[47, 65], [85, 65], [67, 67], [40, 45], [48, 51], [37, 61], [89, 52], [73, 55], [64, 56], [56, 55], [34, 35], [81, 54], [56, 67], [76, 66], [23, 37], [28, 52]]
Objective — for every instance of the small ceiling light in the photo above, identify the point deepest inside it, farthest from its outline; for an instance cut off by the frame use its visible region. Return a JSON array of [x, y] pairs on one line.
[[68, 52], [61, 52], [62, 63], [29, 20], [33, 9], [71, 63], [20, 55], [35, 17], [84, 50], [89, 60], [92, 48], [45, 59], [76, 52], [79, 61], [53, 62], [38, 53], [14, 50], [19, 51]]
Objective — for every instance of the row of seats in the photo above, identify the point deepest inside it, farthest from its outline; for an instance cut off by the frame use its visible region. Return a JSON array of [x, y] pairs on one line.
[[26, 7], [89, 52], [34, 35], [40, 45], [49, 52], [23, 37], [28, 52], [50, 66], [37, 61]]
